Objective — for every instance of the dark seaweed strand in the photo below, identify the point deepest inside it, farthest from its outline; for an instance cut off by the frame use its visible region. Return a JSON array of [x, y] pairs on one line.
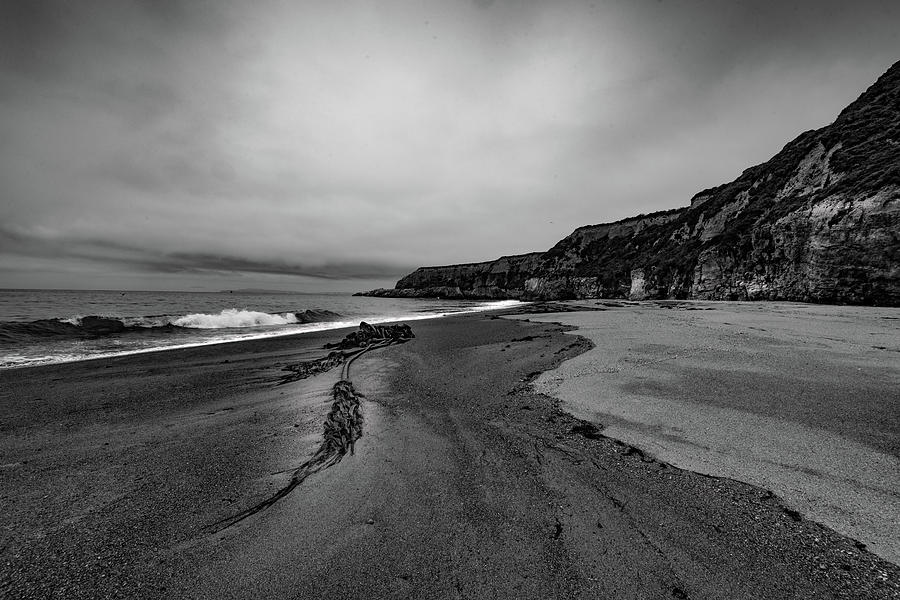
[[343, 426]]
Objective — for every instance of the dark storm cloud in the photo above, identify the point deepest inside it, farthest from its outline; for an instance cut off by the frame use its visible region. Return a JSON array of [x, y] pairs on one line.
[[332, 270], [323, 140], [105, 252]]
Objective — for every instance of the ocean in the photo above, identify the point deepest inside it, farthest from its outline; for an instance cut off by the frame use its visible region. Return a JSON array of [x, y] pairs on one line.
[[53, 326]]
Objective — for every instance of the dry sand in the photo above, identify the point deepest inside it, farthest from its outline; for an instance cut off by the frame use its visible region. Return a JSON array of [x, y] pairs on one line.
[[800, 399], [465, 484]]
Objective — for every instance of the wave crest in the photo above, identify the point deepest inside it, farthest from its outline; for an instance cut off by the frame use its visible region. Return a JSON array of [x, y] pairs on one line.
[[92, 326], [232, 317]]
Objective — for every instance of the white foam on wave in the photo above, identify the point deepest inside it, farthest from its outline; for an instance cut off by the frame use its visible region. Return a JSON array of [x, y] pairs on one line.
[[232, 317], [229, 317], [11, 361], [17, 361]]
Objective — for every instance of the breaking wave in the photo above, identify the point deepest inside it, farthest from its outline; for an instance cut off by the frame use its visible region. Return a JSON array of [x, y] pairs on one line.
[[49, 341], [232, 317], [91, 327]]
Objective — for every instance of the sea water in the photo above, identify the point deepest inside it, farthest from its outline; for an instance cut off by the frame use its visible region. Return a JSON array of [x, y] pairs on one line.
[[51, 326]]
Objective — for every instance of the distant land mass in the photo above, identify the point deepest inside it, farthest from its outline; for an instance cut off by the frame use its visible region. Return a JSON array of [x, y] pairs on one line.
[[818, 222]]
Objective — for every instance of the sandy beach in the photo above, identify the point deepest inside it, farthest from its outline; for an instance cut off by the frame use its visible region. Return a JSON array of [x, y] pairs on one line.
[[800, 399], [468, 481]]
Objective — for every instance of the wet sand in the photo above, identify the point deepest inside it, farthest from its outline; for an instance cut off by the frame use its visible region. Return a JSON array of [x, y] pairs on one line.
[[800, 399], [108, 465], [466, 483]]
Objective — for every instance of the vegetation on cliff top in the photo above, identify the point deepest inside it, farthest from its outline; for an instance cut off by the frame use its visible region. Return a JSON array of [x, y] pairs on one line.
[[758, 228]]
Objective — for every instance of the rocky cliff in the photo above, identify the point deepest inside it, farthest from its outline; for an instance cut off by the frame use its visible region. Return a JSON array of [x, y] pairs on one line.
[[818, 222], [501, 278]]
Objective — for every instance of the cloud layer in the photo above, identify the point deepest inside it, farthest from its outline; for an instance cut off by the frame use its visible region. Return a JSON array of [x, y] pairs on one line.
[[208, 144]]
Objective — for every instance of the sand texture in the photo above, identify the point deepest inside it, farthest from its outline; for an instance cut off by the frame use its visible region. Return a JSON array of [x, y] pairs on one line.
[[799, 399], [119, 475]]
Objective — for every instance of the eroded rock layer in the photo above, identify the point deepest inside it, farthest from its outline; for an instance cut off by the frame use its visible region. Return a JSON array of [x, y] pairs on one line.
[[819, 222]]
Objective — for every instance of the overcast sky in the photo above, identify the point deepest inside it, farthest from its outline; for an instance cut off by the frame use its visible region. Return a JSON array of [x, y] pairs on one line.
[[337, 145]]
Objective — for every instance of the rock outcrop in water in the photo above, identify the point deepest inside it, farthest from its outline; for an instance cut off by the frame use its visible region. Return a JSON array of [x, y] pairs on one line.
[[819, 222], [316, 315]]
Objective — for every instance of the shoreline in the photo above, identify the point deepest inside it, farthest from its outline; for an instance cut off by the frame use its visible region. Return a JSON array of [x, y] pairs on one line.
[[700, 390], [465, 482], [317, 327]]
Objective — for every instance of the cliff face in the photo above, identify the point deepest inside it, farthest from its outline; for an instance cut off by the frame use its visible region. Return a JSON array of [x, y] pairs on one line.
[[501, 278], [819, 222]]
